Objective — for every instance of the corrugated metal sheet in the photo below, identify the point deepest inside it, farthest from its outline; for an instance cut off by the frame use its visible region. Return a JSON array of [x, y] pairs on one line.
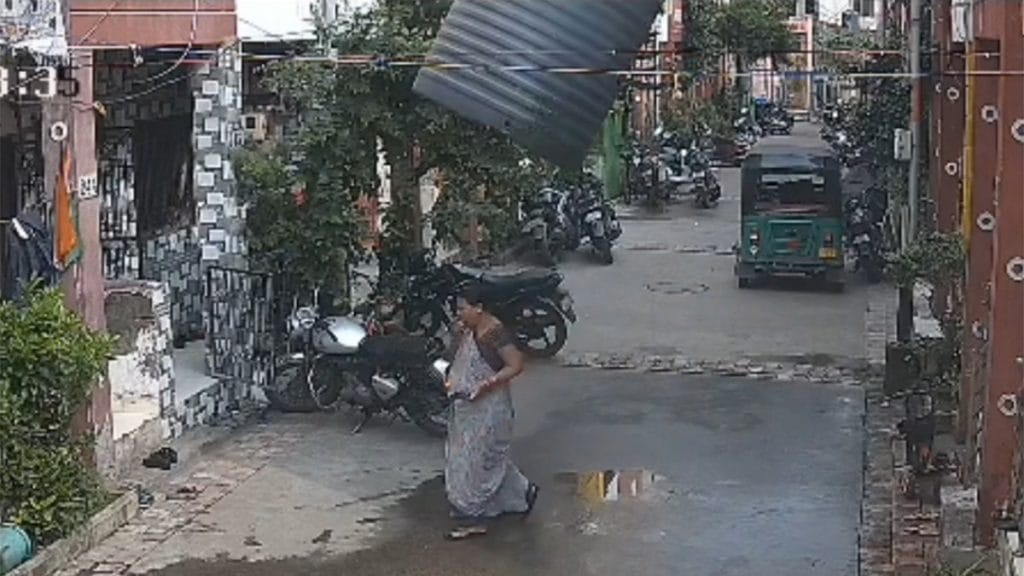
[[556, 115]]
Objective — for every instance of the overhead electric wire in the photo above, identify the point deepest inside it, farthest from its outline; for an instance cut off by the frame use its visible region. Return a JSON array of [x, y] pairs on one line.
[[103, 18], [185, 52], [427, 61]]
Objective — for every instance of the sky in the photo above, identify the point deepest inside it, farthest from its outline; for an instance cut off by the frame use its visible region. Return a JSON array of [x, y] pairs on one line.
[[292, 19], [279, 19]]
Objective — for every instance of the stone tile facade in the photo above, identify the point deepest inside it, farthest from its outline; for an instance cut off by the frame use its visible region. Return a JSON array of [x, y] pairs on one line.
[[131, 92], [141, 374], [216, 89], [139, 314], [180, 256]]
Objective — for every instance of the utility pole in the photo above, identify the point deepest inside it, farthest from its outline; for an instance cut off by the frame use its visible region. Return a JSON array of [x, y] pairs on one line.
[[882, 22], [905, 314]]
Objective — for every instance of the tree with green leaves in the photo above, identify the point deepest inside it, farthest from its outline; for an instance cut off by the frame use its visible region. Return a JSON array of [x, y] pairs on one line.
[[753, 29], [346, 115]]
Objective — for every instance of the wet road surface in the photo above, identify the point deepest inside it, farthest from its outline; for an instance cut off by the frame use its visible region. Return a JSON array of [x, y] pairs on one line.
[[709, 476]]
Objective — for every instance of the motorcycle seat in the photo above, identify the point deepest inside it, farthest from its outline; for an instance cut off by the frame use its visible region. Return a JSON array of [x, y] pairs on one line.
[[517, 280], [398, 349]]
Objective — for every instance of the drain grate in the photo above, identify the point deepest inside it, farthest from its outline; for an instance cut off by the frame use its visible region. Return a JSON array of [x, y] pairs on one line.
[[676, 288]]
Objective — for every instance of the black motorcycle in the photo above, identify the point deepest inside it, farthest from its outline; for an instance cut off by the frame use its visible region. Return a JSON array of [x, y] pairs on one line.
[[707, 190], [596, 222], [865, 235], [342, 360], [548, 227], [642, 173], [530, 302]]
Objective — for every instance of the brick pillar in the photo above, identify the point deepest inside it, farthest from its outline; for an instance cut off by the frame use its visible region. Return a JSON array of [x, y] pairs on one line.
[[1001, 439], [978, 226]]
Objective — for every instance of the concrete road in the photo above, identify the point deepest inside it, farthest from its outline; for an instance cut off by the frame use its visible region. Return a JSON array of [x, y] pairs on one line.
[[705, 475], [672, 290]]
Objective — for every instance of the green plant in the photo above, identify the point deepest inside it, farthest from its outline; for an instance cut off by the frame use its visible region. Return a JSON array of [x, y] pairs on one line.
[[934, 258], [753, 29], [347, 113], [50, 364], [302, 217]]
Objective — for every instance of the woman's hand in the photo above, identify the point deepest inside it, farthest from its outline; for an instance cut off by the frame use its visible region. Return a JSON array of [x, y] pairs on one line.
[[484, 389]]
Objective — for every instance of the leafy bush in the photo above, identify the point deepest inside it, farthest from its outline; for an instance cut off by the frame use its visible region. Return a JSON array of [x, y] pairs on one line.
[[934, 257], [49, 363], [299, 219]]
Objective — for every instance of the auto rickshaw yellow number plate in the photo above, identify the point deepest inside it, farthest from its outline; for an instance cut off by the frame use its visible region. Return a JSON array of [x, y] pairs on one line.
[[828, 253]]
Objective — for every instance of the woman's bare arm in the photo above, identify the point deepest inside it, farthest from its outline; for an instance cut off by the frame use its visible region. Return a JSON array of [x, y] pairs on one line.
[[515, 363]]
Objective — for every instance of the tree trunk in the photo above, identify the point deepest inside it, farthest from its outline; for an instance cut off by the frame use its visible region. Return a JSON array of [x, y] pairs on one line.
[[405, 196]]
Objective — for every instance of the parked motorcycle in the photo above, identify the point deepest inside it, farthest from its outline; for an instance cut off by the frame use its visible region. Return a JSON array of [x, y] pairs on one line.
[[865, 234], [707, 190], [776, 126], [672, 160], [596, 222], [647, 177], [531, 303], [340, 360], [547, 226]]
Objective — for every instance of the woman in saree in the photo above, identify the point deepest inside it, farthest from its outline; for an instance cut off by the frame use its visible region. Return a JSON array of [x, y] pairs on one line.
[[481, 480]]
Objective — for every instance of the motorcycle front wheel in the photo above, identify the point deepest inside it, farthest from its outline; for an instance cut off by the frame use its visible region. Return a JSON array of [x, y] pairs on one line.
[[289, 390], [540, 328], [429, 408]]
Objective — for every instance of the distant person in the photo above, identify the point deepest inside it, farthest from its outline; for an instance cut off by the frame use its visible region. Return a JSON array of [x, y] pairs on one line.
[[481, 480]]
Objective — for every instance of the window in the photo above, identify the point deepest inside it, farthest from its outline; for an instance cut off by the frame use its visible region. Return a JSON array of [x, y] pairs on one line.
[[864, 8]]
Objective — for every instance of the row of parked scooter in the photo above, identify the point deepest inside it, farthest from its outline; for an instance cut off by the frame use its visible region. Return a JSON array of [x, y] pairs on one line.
[[673, 166], [563, 218], [865, 210]]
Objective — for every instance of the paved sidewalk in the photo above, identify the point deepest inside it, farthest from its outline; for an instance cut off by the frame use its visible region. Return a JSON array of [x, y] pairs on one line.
[[267, 491]]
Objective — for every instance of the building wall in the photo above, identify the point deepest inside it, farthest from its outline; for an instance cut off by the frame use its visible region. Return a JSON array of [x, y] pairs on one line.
[[169, 255], [218, 133], [152, 22]]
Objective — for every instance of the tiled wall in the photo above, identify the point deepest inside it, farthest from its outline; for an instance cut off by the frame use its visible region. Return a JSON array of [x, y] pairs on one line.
[[211, 94], [139, 313], [217, 134], [131, 92]]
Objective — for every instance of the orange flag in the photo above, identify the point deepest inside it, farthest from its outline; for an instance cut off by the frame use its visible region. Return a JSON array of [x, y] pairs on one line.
[[67, 229]]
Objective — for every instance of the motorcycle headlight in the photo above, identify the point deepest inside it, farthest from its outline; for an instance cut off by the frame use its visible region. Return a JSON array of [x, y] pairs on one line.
[[304, 318], [441, 366]]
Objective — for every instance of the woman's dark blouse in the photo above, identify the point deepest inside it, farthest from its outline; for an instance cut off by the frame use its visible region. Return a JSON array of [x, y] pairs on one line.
[[490, 343]]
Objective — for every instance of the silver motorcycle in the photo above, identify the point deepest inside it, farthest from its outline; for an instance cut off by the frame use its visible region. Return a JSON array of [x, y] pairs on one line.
[[339, 360]]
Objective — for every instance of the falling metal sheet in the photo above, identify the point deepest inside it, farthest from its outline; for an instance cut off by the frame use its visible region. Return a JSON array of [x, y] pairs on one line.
[[504, 63]]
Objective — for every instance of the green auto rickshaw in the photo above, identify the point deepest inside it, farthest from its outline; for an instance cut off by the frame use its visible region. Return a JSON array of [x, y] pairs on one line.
[[791, 218]]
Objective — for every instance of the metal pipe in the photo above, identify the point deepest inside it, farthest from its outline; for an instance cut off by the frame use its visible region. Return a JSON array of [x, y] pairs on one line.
[[966, 218], [908, 228], [916, 113]]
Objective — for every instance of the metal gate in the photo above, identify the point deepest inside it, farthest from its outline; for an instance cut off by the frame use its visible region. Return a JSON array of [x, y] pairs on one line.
[[240, 327]]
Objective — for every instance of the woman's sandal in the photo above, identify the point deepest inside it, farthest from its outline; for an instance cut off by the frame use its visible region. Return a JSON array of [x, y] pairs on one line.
[[532, 491], [464, 532]]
